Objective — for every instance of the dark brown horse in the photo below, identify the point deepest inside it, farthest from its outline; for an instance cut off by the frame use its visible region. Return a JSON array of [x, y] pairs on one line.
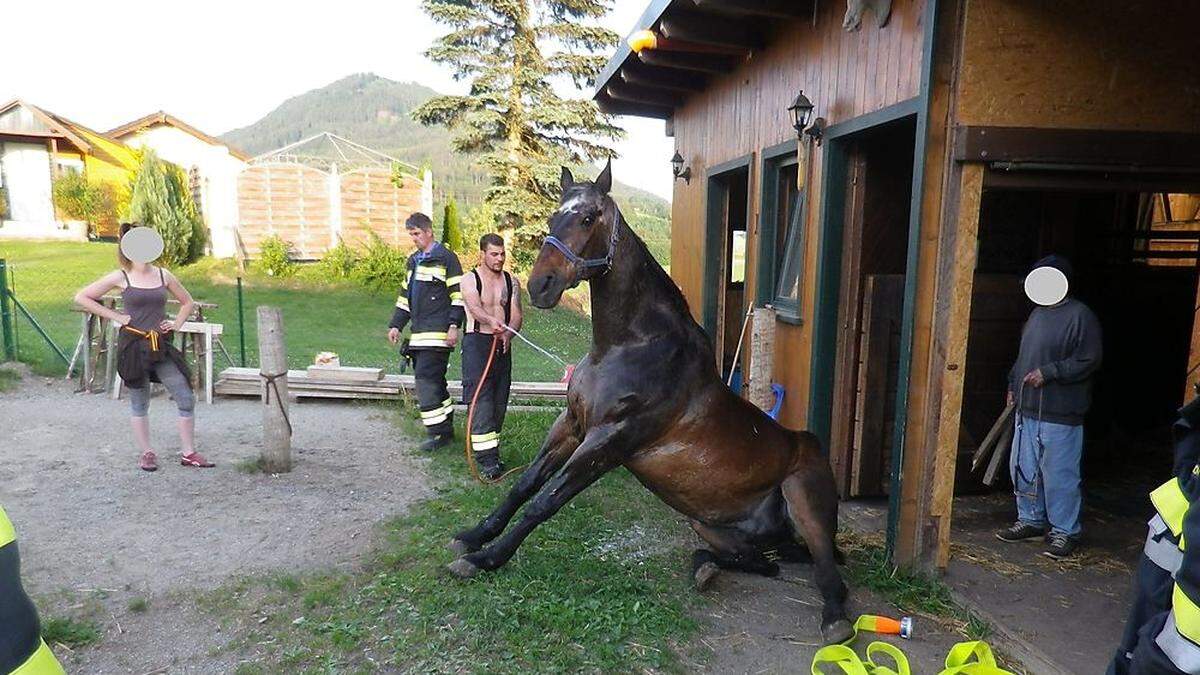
[[648, 397]]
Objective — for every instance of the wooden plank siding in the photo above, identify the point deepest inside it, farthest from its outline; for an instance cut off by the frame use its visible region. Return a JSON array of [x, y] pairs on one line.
[[846, 75]]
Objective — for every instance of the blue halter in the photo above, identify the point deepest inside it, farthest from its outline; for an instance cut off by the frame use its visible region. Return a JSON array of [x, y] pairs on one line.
[[581, 263]]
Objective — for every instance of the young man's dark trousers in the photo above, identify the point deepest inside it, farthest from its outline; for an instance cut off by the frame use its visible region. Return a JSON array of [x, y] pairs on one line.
[[488, 415], [437, 411]]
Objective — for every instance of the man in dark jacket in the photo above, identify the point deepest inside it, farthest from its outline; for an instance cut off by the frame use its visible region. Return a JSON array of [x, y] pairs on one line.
[[1051, 382], [431, 298]]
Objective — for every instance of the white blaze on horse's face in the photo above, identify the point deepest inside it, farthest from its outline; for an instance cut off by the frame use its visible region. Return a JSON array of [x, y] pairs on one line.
[[571, 205]]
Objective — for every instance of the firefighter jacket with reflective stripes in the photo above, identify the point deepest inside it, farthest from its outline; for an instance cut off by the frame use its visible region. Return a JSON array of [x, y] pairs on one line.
[[22, 650], [1170, 641], [431, 298]]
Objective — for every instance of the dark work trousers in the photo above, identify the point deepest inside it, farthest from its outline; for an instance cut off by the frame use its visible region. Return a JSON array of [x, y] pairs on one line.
[[492, 404], [1152, 597], [437, 411]]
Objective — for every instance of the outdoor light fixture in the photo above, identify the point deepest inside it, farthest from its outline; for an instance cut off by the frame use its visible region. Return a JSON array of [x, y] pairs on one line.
[[678, 170], [801, 110]]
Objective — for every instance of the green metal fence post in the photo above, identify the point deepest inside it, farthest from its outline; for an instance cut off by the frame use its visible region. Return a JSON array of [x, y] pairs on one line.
[[6, 318], [241, 323]]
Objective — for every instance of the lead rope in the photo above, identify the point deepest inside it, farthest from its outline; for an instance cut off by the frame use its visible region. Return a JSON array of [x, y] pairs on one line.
[[272, 384], [1041, 448]]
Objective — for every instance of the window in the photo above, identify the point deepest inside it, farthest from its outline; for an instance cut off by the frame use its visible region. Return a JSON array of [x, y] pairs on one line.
[[781, 235], [737, 266], [787, 294], [67, 165]]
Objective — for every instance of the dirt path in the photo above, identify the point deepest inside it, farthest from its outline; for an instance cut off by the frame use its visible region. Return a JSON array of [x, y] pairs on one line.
[[97, 534]]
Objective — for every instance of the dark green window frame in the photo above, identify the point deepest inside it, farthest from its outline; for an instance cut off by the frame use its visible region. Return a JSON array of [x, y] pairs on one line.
[[771, 282]]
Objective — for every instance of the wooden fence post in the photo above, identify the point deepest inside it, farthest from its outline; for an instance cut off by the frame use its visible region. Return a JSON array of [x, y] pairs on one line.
[[272, 363], [762, 357]]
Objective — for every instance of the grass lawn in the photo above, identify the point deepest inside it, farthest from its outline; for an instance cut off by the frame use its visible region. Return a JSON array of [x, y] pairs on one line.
[[601, 587], [318, 316]]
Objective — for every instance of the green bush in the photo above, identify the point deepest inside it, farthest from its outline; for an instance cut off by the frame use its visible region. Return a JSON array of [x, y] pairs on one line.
[[338, 263], [77, 198], [275, 258], [3, 203], [160, 199], [382, 267]]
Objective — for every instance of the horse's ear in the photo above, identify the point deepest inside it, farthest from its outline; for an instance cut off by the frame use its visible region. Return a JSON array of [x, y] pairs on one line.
[[604, 180], [566, 180]]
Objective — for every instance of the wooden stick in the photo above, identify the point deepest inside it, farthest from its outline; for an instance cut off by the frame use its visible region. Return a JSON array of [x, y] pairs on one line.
[[1003, 446], [989, 441], [272, 357]]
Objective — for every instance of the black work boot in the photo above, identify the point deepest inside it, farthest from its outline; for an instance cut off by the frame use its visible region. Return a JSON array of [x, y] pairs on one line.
[[1019, 531], [490, 466], [437, 442], [1061, 546]]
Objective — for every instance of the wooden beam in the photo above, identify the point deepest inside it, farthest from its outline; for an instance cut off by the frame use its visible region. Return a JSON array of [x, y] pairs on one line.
[[703, 63], [642, 75], [1076, 146], [614, 107], [950, 345], [625, 92], [698, 28], [777, 9]]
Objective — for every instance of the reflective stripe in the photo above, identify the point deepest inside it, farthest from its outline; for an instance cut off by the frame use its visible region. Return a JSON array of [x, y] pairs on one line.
[[431, 273], [7, 533], [41, 663], [434, 421], [1187, 614], [402, 303], [430, 339], [1171, 504], [485, 441], [1162, 552], [1182, 652], [438, 415], [450, 281]]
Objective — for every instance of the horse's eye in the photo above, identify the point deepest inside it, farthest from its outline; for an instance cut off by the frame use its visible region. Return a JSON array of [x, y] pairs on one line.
[[588, 220]]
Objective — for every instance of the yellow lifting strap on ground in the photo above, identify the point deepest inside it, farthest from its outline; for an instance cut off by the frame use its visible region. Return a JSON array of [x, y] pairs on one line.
[[965, 658], [7, 533], [41, 663]]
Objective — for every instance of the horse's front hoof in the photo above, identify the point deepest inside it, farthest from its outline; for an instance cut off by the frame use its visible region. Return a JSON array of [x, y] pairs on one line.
[[462, 568], [460, 547], [705, 575], [837, 632]]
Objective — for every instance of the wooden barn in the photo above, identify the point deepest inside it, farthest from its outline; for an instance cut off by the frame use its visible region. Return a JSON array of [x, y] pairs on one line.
[[950, 144]]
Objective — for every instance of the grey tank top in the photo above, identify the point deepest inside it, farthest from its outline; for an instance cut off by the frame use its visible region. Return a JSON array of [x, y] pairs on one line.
[[147, 307]]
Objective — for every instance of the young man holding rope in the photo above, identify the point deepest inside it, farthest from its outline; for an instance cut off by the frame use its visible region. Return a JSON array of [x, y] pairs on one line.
[[431, 299], [493, 299]]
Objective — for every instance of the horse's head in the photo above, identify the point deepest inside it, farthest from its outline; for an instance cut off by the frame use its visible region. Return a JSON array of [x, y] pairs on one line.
[[581, 241]]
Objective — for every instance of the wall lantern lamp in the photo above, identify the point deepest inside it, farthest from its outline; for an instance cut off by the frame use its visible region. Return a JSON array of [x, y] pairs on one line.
[[678, 169], [801, 110]]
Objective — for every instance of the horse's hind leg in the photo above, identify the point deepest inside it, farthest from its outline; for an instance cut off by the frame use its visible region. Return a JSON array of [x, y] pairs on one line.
[[560, 443], [812, 506], [730, 550]]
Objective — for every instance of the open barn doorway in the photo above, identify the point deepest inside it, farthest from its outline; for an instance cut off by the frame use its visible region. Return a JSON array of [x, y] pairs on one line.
[[725, 273]]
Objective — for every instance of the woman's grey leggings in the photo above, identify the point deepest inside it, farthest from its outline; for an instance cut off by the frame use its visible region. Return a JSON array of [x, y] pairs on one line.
[[172, 379]]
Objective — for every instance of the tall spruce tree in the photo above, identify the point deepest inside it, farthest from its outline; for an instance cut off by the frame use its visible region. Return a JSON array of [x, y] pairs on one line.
[[513, 52]]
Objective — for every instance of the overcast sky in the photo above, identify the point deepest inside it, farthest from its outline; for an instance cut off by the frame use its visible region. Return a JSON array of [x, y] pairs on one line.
[[223, 64]]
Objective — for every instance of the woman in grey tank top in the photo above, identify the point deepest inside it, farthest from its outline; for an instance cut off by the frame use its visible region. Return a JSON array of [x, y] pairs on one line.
[[145, 352]]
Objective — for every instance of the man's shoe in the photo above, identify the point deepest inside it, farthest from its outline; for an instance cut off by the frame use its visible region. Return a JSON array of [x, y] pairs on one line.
[[437, 442], [1061, 546], [490, 466], [1019, 531]]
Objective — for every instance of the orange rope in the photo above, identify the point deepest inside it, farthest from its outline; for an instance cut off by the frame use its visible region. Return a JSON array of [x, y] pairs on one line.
[[471, 415]]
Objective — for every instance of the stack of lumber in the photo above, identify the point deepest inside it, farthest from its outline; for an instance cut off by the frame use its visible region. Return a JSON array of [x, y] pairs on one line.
[[362, 383]]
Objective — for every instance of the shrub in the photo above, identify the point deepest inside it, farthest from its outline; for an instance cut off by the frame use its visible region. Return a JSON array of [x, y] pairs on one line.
[[3, 203], [338, 263], [275, 257], [382, 267], [452, 232], [77, 198], [160, 199]]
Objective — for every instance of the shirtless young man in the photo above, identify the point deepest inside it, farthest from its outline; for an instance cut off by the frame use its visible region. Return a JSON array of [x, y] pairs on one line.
[[493, 299]]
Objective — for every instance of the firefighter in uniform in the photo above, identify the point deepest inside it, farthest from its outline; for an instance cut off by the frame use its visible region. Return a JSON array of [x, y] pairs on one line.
[[1162, 634], [431, 299], [22, 650]]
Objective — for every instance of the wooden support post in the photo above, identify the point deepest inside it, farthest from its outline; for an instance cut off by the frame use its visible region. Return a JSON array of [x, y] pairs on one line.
[[272, 359], [762, 357]]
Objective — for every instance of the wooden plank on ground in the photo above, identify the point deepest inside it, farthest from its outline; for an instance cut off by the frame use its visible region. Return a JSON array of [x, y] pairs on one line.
[[345, 373]]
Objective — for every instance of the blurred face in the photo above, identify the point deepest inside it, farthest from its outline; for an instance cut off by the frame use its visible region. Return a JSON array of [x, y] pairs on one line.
[[422, 238], [493, 257]]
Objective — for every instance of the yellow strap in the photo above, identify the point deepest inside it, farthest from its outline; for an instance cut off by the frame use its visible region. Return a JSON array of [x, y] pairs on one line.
[[7, 533], [845, 659], [41, 663], [1171, 504], [972, 658]]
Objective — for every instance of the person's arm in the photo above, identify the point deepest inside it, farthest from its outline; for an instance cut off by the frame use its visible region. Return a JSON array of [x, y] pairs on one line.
[[454, 275], [517, 317], [479, 314], [186, 304], [89, 296], [400, 314], [1084, 358], [1172, 646]]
